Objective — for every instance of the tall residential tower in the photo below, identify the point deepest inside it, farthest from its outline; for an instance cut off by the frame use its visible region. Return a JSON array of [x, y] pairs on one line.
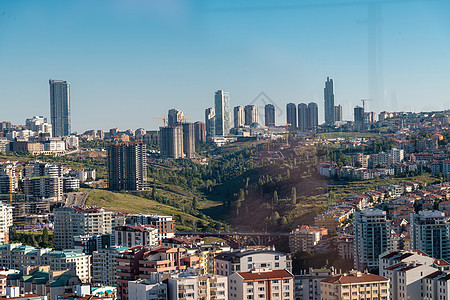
[[328, 96], [223, 116], [60, 107]]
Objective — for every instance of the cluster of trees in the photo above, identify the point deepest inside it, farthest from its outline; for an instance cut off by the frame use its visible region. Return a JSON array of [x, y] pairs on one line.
[[43, 240]]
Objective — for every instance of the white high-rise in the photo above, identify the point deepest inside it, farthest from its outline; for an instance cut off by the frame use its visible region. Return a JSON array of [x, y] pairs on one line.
[[223, 115], [6, 221], [60, 107]]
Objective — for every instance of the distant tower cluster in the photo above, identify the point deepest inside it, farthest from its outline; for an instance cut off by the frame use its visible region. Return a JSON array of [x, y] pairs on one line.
[[251, 114], [291, 116], [127, 166], [269, 115], [239, 116], [210, 121], [177, 140], [308, 116], [60, 107]]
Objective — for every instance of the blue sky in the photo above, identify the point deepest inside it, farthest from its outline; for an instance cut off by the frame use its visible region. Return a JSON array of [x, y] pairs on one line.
[[129, 61]]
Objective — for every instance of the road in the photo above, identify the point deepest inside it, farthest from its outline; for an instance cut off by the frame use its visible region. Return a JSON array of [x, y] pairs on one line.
[[76, 198]]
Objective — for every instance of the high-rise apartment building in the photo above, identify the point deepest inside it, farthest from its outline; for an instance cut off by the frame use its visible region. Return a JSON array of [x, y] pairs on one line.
[[188, 285], [171, 141], [104, 265], [6, 221], [338, 113], [239, 116], [74, 221], [60, 107], [372, 236], [223, 116], [43, 180], [251, 114], [175, 117], [313, 115], [188, 140], [210, 121], [430, 233], [200, 132], [302, 117], [291, 116], [69, 259], [328, 95], [269, 115], [358, 114], [127, 167]]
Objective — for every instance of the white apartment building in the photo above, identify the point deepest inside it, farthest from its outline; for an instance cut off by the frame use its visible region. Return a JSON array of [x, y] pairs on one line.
[[247, 260], [135, 235], [6, 221], [70, 259], [74, 221], [261, 284], [371, 237], [104, 266], [190, 286], [164, 224], [436, 286], [407, 271], [147, 289]]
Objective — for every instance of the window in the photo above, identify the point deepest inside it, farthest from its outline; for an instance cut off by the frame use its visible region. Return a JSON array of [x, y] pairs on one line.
[[249, 266], [277, 257], [249, 259], [277, 265], [285, 280]]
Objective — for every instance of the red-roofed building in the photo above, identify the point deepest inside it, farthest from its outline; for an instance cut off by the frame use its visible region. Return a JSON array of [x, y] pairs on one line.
[[355, 285], [261, 284], [134, 235]]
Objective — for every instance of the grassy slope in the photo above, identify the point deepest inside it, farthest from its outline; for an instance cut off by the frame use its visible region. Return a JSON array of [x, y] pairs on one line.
[[126, 203]]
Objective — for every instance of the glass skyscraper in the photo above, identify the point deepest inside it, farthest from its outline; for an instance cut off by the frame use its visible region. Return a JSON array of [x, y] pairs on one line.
[[223, 116], [328, 95], [60, 107]]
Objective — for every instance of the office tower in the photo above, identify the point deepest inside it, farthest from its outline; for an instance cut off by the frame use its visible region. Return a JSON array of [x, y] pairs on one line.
[[251, 114], [188, 140], [430, 233], [269, 115], [371, 237], [6, 221], [75, 221], [127, 167], [210, 121], [200, 132], [328, 95], [359, 118], [170, 141], [223, 116], [60, 107], [239, 116], [291, 115], [338, 113], [313, 115], [302, 117], [175, 116]]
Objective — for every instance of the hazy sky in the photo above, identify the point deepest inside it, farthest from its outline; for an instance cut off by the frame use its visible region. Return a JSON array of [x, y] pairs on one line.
[[129, 61]]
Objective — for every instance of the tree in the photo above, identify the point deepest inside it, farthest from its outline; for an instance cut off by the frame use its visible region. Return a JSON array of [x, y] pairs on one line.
[[294, 195], [283, 222], [153, 193], [275, 196], [194, 203], [45, 242]]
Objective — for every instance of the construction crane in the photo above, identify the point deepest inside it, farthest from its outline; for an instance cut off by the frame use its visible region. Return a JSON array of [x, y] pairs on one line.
[[287, 130], [364, 103], [164, 119]]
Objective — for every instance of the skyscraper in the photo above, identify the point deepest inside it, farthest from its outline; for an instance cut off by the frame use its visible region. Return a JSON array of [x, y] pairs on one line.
[[200, 132], [223, 116], [188, 140], [170, 141], [60, 107], [328, 94], [291, 115], [313, 115], [430, 233], [269, 115], [210, 121], [302, 117], [371, 237], [239, 116], [175, 116], [251, 114], [338, 113], [127, 167], [359, 118]]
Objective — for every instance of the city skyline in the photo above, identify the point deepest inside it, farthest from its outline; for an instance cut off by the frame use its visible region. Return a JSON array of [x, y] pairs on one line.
[[136, 60]]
